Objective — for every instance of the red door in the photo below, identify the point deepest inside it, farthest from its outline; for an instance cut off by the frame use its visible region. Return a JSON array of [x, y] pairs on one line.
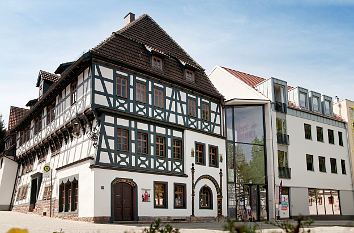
[[122, 202]]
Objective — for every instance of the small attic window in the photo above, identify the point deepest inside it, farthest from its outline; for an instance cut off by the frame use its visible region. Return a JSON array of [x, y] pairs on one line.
[[189, 75], [156, 62]]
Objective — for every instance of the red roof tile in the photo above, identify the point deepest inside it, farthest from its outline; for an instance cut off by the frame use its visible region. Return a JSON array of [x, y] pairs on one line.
[[249, 79], [15, 116]]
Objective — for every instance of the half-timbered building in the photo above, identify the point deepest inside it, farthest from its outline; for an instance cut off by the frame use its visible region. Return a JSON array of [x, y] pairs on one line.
[[132, 130]]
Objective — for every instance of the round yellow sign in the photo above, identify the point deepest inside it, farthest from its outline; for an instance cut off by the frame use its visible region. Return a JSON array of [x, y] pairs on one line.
[[46, 168]]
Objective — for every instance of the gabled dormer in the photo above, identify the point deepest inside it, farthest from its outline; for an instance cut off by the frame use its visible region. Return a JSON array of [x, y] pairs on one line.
[[327, 105], [44, 81], [315, 101], [300, 97]]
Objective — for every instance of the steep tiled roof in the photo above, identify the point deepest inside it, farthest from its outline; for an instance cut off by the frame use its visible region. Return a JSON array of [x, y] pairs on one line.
[[15, 116], [130, 46], [146, 31], [46, 76], [249, 79]]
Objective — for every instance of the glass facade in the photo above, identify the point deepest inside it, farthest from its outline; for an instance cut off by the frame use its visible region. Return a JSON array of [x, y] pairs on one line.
[[247, 190]]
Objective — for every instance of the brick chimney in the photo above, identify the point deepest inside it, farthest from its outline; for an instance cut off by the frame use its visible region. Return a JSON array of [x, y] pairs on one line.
[[130, 17]]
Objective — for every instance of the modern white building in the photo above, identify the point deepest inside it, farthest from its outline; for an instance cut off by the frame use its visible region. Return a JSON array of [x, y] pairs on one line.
[[132, 130], [345, 109], [308, 162]]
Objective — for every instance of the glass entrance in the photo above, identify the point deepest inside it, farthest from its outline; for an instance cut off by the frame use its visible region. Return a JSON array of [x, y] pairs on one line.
[[246, 163]]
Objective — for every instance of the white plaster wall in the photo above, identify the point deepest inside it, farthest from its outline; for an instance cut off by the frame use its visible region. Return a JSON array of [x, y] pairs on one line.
[[104, 177], [299, 147], [77, 149], [346, 202], [7, 181], [299, 201], [86, 191], [231, 87], [189, 139]]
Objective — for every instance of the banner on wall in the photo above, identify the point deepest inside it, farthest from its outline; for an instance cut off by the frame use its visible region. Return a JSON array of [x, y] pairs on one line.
[[284, 206], [145, 196]]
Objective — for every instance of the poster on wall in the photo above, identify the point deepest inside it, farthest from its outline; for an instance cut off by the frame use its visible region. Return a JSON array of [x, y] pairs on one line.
[[284, 206], [145, 196]]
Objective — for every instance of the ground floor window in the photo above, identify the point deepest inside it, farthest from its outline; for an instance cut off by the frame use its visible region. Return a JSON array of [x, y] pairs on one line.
[[68, 196], [323, 202], [180, 196], [47, 192], [160, 189], [22, 193], [205, 198]]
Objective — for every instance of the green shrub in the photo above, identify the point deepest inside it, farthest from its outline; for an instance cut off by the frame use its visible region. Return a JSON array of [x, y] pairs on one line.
[[156, 227]]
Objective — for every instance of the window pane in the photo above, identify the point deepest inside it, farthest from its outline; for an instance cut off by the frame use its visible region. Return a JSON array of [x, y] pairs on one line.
[[192, 107], [330, 136], [320, 202], [333, 165], [344, 171], [179, 196], [229, 124], [177, 148], [312, 202], [303, 100], [230, 162], [250, 165], [322, 164], [309, 162], [336, 205], [141, 92], [199, 153], [315, 104], [340, 138], [319, 134], [248, 123], [328, 201], [307, 129], [160, 194]]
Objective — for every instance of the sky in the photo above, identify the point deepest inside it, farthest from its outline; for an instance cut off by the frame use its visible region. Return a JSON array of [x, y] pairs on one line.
[[308, 43]]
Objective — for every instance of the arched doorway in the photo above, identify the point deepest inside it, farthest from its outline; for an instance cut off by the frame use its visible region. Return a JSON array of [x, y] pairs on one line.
[[124, 200]]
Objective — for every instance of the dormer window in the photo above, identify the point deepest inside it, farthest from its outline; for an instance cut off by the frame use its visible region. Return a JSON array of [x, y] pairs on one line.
[[156, 62], [327, 107], [189, 75], [303, 99], [315, 104]]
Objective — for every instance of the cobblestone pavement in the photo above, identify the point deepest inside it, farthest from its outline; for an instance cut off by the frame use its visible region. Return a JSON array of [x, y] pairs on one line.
[[38, 224]]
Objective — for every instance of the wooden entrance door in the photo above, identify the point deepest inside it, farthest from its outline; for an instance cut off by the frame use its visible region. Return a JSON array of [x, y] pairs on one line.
[[122, 202]]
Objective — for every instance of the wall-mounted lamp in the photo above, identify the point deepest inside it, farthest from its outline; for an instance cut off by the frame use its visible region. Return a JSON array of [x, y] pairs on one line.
[[192, 152], [221, 158]]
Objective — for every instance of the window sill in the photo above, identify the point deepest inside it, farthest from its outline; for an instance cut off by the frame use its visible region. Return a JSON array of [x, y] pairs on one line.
[[160, 207], [68, 212], [122, 97], [205, 208], [202, 164]]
